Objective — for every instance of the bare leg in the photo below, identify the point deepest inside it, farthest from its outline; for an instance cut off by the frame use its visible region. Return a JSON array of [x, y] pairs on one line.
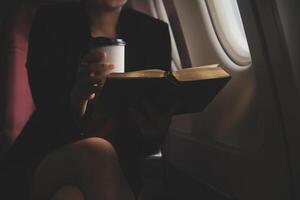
[[90, 165], [68, 193]]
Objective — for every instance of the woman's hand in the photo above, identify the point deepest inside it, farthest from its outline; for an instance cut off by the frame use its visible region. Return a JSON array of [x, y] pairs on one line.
[[91, 76], [153, 125]]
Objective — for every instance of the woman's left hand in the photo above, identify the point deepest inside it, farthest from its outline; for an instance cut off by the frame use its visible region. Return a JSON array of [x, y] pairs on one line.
[[152, 124]]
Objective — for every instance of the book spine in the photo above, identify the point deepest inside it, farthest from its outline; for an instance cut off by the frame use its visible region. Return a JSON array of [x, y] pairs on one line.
[[170, 77]]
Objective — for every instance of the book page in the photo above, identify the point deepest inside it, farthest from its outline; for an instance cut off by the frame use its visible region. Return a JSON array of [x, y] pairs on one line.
[[151, 73], [200, 73]]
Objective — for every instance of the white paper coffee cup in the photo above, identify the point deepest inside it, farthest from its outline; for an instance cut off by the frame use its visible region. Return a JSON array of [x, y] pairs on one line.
[[114, 49]]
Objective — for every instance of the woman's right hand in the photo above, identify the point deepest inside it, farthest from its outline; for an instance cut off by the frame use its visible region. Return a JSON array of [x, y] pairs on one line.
[[91, 76]]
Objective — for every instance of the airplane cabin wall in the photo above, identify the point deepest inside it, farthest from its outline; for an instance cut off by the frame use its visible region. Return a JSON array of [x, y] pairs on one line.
[[239, 143], [288, 13], [198, 44], [282, 45], [288, 17]]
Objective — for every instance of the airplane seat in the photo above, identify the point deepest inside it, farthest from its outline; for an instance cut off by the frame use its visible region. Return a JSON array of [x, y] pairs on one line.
[[16, 103]]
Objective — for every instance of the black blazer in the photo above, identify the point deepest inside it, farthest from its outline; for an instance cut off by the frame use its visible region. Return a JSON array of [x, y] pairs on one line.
[[59, 38]]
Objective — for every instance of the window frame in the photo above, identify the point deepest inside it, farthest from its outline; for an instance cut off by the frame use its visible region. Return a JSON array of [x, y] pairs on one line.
[[233, 50]]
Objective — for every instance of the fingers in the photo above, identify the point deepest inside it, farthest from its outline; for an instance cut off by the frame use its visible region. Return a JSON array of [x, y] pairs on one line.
[[96, 68], [94, 73], [94, 63], [91, 75], [92, 81], [86, 92], [95, 57], [91, 84]]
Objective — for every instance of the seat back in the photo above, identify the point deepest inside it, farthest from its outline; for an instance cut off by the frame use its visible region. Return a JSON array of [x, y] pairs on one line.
[[16, 103]]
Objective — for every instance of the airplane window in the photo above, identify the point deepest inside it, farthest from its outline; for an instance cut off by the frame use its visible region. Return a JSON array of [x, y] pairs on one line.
[[230, 30]]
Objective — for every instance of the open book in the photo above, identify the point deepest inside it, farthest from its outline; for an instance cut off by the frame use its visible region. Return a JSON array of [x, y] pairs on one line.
[[193, 89]]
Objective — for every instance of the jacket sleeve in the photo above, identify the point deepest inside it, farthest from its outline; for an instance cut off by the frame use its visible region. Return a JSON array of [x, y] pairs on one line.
[[163, 53], [160, 47], [52, 123], [45, 50]]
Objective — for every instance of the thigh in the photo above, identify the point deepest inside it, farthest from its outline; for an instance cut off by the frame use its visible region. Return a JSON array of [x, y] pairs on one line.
[[90, 164], [69, 192]]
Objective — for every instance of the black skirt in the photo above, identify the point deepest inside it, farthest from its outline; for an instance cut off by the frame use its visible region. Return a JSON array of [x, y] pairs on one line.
[[18, 166]]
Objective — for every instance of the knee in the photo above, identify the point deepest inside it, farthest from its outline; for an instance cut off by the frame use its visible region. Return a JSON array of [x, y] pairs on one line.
[[68, 192], [81, 155], [93, 151], [74, 163]]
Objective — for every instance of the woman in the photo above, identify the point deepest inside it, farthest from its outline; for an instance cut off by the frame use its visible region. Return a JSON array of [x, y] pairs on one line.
[[53, 158]]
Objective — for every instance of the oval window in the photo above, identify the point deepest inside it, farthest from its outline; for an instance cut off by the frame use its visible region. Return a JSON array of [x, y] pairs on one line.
[[229, 27]]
